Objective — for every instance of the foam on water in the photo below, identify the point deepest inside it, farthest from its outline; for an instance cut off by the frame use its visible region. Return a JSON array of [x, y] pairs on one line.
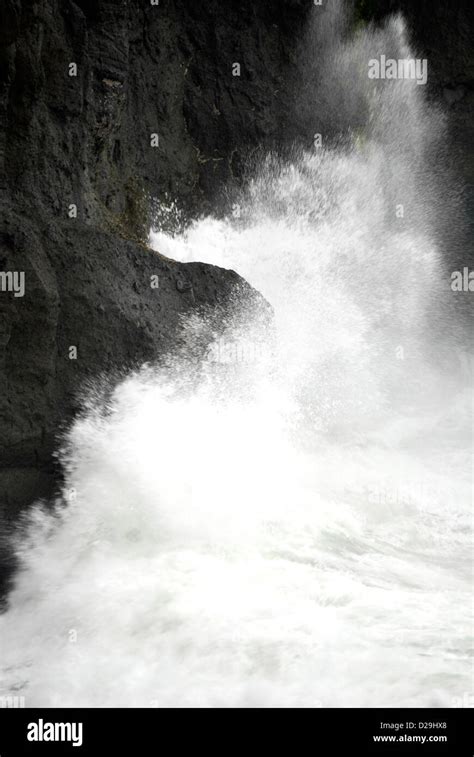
[[296, 529]]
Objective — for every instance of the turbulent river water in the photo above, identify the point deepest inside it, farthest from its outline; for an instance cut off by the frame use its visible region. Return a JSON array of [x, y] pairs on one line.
[[295, 528]]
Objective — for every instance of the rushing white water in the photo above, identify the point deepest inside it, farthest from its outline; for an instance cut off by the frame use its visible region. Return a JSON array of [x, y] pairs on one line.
[[296, 530]]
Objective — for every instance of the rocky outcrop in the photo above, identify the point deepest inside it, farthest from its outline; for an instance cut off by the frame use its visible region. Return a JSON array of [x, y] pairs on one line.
[[93, 303]]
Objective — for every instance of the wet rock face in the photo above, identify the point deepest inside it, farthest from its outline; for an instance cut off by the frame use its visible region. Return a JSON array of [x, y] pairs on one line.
[[104, 103]]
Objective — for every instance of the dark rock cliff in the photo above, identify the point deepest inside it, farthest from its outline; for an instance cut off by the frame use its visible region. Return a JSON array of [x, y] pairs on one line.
[[142, 69], [84, 141], [78, 172]]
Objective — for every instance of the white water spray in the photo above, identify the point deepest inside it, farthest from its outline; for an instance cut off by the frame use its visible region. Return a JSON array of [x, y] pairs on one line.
[[301, 538]]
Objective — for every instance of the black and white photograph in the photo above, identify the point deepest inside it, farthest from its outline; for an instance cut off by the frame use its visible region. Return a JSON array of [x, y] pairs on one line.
[[236, 359]]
